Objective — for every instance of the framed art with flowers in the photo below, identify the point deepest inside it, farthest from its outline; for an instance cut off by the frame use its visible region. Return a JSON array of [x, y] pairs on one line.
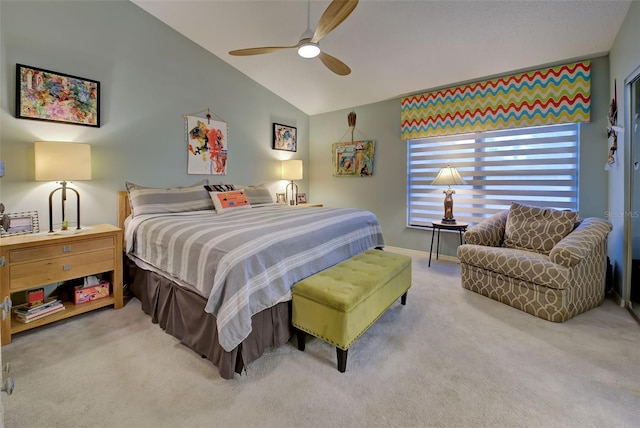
[[56, 97]]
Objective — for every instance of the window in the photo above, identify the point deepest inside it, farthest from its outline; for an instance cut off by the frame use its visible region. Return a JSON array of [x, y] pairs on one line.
[[533, 166]]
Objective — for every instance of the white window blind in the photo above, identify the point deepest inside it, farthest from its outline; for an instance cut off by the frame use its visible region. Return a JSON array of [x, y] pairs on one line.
[[532, 166]]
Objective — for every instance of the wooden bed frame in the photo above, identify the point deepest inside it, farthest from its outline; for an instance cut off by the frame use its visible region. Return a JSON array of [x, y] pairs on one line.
[[180, 312], [124, 208]]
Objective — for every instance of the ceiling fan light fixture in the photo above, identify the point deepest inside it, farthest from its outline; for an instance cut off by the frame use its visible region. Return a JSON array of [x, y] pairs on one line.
[[309, 50]]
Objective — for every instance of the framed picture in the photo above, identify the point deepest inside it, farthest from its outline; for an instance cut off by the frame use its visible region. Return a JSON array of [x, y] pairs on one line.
[[354, 159], [280, 198], [302, 198], [207, 141], [56, 97], [20, 223], [285, 137]]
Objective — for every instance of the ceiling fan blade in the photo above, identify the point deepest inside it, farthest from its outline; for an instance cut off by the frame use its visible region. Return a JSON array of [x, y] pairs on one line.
[[337, 12], [334, 64], [259, 51]]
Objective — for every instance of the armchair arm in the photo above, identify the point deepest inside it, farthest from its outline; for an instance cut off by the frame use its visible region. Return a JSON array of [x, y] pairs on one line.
[[489, 232], [577, 245]]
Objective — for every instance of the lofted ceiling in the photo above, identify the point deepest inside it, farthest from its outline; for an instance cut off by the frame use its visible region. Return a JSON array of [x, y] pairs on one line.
[[393, 47]]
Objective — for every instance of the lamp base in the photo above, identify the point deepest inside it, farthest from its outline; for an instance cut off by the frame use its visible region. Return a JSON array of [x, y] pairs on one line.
[[294, 193], [65, 224], [448, 220]]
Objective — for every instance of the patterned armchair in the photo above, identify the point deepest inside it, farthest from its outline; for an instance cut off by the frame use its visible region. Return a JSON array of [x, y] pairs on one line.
[[541, 261]]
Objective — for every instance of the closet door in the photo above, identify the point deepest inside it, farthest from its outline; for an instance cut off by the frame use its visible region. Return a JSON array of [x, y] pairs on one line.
[[633, 87]]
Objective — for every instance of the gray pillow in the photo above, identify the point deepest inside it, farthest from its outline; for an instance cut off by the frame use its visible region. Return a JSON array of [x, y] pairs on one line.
[[537, 229], [153, 200], [258, 195]]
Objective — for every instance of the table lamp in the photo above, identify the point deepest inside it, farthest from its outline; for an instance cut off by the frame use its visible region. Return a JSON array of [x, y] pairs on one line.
[[292, 170], [62, 162], [448, 176]]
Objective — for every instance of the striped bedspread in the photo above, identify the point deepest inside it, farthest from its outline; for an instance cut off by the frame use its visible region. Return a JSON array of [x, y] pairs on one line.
[[247, 260]]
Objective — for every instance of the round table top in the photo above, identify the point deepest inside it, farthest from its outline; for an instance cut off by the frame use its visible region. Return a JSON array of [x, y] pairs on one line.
[[456, 225]]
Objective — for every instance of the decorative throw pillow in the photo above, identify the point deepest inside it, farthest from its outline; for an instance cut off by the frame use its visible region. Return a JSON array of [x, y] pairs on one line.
[[537, 229], [233, 200], [219, 187], [258, 195], [152, 200]]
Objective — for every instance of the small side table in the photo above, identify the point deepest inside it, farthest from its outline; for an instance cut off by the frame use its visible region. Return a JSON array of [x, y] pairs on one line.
[[438, 225]]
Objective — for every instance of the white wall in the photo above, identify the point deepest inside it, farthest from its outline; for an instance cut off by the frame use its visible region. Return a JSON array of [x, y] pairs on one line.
[[150, 77]]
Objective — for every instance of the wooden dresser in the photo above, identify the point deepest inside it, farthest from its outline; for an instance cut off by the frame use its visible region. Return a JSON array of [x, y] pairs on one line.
[[31, 261]]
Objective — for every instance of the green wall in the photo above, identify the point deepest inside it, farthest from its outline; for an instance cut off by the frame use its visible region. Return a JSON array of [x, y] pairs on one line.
[[150, 77], [385, 192]]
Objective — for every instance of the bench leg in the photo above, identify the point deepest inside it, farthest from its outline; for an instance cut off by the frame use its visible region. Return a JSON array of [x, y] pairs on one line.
[[342, 359], [403, 299], [300, 335]]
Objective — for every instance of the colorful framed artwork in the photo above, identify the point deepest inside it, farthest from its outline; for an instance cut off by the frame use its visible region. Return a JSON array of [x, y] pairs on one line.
[[285, 137], [20, 224], [302, 198], [206, 146], [280, 198], [353, 159], [56, 97]]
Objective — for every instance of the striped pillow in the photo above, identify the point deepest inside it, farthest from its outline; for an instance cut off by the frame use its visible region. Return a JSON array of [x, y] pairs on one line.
[[152, 200], [258, 195]]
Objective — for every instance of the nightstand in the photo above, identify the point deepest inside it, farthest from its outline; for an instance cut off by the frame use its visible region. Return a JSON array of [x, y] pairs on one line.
[[438, 225], [31, 261], [308, 204]]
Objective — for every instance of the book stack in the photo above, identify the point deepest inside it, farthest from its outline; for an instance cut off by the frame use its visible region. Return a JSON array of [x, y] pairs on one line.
[[26, 314]]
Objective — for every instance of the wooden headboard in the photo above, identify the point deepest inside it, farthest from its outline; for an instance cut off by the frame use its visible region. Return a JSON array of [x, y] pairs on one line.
[[124, 209]]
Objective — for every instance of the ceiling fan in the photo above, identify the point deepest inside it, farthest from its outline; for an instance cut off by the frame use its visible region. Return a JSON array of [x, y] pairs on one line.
[[308, 46]]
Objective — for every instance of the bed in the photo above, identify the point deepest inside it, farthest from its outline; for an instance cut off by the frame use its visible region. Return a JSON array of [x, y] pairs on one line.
[[220, 281]]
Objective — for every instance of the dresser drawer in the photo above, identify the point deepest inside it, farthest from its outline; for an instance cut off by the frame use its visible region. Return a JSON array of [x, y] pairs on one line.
[[55, 250], [33, 274]]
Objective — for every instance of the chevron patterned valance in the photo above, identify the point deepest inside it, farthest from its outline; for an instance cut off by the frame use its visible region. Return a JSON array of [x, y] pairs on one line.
[[549, 96]]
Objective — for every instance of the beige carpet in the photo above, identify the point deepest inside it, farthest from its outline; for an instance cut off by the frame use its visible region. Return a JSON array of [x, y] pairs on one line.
[[450, 358]]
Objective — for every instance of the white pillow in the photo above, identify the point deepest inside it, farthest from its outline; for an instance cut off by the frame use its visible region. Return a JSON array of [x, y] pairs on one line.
[[232, 200]]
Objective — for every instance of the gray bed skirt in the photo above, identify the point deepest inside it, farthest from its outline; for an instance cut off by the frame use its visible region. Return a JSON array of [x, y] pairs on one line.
[[180, 312]]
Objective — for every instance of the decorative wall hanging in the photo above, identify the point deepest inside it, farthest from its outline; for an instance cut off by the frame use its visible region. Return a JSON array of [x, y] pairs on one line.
[[548, 96], [285, 137], [353, 159], [612, 133], [56, 97], [206, 144]]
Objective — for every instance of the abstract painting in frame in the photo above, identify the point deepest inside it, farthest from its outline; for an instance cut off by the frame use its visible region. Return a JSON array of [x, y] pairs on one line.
[[56, 97], [206, 145], [285, 137], [353, 159]]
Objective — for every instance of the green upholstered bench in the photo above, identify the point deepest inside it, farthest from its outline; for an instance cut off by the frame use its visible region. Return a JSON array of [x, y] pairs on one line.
[[339, 304]]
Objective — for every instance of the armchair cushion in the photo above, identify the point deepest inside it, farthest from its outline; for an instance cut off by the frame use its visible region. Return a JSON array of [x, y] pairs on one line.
[[536, 229], [489, 232], [517, 264], [584, 240]]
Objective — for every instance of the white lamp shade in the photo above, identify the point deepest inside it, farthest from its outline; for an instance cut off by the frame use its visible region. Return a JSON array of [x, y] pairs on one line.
[[448, 176], [62, 161], [292, 169]]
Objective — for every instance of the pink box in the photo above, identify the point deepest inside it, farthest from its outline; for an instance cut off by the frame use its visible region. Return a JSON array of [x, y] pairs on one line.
[[94, 292]]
